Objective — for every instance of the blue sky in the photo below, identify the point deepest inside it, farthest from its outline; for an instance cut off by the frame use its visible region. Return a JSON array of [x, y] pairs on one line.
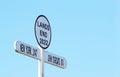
[[85, 32]]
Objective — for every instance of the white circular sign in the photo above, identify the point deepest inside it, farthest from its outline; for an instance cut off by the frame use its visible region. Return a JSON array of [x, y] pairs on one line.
[[42, 31]]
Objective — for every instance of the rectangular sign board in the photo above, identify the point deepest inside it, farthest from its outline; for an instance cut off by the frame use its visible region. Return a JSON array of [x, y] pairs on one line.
[[27, 49], [55, 60], [35, 53]]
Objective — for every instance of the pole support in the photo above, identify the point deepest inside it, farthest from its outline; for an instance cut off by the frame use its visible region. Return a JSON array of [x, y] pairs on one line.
[[41, 63]]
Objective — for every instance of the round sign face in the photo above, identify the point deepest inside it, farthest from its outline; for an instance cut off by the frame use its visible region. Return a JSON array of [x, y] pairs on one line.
[[42, 31]]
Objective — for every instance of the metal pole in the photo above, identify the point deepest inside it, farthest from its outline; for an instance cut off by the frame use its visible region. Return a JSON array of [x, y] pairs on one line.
[[41, 63]]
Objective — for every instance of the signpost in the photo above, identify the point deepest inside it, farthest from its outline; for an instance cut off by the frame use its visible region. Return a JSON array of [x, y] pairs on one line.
[[43, 36]]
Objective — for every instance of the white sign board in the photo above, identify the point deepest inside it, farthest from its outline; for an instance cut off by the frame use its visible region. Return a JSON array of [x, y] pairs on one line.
[[42, 31], [27, 49], [33, 52], [55, 60]]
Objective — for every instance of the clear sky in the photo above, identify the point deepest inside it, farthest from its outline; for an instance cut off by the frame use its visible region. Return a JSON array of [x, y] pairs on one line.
[[85, 32]]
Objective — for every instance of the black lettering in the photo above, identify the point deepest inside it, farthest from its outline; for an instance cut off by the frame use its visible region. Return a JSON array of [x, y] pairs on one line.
[[62, 62], [58, 61], [54, 59], [45, 26], [48, 27], [35, 52], [42, 33], [22, 47], [41, 40], [38, 24], [42, 25], [49, 58], [28, 50], [44, 42]]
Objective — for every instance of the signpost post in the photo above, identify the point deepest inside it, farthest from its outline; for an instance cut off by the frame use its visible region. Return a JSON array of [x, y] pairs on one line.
[[41, 64], [43, 36]]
